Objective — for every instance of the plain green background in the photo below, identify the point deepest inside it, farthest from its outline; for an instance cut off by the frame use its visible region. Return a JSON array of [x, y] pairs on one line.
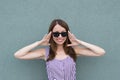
[[23, 22]]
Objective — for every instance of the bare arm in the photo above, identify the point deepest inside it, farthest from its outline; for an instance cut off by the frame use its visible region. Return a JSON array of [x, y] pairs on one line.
[[27, 52], [87, 49]]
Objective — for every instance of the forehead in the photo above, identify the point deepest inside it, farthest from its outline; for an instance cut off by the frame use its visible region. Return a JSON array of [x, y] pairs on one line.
[[58, 28]]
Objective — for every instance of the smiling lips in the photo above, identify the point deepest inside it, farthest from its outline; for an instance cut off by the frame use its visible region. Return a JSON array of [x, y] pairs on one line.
[[60, 40]]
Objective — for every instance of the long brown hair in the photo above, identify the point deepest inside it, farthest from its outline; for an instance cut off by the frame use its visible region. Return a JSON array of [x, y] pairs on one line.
[[53, 46]]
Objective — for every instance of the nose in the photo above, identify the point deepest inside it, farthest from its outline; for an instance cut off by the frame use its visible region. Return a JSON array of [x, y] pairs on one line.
[[60, 35]]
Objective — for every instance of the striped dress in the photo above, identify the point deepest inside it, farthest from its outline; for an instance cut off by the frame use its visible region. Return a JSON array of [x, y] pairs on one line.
[[60, 69]]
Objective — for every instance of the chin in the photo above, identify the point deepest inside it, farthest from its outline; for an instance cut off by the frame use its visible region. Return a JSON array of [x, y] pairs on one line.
[[60, 43]]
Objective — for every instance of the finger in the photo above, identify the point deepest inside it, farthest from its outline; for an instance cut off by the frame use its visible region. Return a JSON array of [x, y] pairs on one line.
[[69, 34], [45, 36], [70, 45], [49, 35], [49, 44], [72, 36]]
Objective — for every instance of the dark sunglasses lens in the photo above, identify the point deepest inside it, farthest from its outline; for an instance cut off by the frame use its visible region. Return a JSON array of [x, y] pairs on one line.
[[64, 34], [55, 34]]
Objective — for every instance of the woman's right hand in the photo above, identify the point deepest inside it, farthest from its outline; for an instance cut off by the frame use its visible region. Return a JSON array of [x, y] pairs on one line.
[[45, 40]]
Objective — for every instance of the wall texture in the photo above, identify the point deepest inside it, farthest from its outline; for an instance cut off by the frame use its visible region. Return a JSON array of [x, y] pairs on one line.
[[23, 22]]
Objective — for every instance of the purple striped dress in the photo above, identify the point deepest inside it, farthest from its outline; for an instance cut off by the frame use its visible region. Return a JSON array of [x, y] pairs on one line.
[[60, 69]]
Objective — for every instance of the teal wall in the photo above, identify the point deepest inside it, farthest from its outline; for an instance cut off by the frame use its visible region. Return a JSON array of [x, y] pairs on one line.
[[23, 22]]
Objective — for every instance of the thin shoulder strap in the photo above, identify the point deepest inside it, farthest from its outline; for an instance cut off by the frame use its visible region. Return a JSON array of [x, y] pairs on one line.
[[47, 52]]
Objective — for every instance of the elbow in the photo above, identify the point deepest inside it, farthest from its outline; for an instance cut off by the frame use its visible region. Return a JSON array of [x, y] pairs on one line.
[[101, 53], [17, 56]]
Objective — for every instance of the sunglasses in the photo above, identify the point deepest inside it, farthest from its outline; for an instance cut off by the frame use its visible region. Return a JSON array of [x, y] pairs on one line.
[[57, 34]]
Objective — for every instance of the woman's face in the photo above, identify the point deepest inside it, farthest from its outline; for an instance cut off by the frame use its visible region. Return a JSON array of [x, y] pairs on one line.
[[59, 34]]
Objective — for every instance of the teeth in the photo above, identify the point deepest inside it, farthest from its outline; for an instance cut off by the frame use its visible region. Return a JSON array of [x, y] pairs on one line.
[[60, 40]]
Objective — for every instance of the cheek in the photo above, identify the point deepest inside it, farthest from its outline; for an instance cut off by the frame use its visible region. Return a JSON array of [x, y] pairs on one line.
[[55, 39]]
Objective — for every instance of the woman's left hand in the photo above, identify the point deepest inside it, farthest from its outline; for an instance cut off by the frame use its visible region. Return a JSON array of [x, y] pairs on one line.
[[73, 39]]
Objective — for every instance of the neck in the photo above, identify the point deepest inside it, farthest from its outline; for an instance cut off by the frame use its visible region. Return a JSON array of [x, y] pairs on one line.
[[59, 46]]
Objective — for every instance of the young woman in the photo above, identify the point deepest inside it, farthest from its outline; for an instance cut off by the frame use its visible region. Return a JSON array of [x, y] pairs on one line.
[[61, 51]]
